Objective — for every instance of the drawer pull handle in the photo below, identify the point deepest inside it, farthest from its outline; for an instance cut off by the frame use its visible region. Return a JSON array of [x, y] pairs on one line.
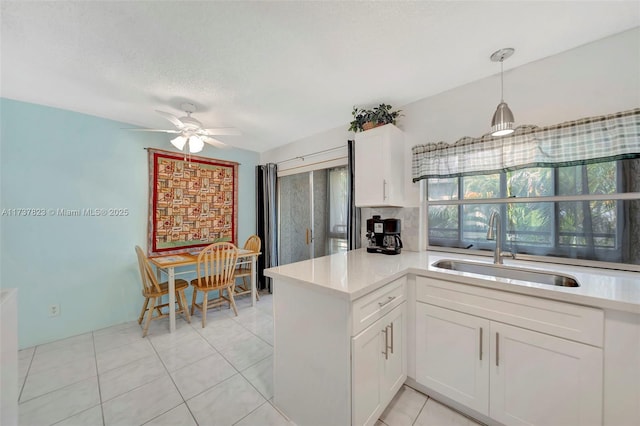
[[391, 325], [497, 349], [480, 343], [389, 300]]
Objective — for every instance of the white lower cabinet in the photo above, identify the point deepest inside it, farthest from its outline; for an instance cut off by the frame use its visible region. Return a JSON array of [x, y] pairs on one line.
[[453, 355], [537, 379], [379, 365], [513, 375]]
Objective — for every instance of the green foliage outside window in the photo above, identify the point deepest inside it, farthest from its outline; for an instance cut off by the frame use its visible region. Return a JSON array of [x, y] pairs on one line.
[[561, 228]]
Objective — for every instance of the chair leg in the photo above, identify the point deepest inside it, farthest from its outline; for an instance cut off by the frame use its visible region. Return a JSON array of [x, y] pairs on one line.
[[193, 300], [244, 284], [185, 307], [205, 299], [180, 303], [144, 309], [232, 300], [148, 321]]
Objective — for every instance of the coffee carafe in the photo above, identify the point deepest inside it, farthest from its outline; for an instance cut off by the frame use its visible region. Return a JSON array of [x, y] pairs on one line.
[[383, 235]]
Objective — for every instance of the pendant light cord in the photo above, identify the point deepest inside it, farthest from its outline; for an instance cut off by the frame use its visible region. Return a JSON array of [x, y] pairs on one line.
[[501, 80]]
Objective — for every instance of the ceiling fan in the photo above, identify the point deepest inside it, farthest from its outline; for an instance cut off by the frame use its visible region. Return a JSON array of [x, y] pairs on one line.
[[191, 136]]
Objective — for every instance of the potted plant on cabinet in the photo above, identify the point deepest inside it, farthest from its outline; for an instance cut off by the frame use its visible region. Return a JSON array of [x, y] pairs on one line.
[[365, 119]]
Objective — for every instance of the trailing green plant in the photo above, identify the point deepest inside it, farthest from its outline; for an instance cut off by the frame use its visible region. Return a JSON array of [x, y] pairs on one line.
[[380, 115]]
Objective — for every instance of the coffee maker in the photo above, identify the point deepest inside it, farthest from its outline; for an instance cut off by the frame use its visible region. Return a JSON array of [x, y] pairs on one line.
[[383, 235]]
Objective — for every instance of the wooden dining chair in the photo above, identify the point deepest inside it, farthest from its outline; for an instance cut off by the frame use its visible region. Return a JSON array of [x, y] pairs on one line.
[[152, 291], [243, 268], [215, 268]]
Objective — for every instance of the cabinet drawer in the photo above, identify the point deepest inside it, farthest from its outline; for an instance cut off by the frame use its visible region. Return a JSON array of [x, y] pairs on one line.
[[579, 323], [368, 309]]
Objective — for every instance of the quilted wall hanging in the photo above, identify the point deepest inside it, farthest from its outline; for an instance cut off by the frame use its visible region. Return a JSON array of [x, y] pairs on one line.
[[191, 203]]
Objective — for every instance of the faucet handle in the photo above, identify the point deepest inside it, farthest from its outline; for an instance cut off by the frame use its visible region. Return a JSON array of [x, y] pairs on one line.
[[507, 254]]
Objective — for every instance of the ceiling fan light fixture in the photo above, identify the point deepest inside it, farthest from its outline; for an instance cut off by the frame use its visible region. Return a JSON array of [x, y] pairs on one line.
[[179, 142], [502, 121], [196, 144], [189, 135]]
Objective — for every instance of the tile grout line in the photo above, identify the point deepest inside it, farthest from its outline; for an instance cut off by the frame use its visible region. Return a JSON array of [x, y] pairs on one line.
[[257, 362], [24, 382], [95, 358], [184, 401], [251, 412], [232, 366], [99, 392], [132, 326], [421, 409], [48, 392]]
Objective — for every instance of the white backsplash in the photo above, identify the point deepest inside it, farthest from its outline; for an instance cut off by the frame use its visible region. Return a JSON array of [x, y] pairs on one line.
[[409, 218]]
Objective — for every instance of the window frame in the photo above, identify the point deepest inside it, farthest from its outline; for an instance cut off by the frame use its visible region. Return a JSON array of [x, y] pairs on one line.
[[608, 257]]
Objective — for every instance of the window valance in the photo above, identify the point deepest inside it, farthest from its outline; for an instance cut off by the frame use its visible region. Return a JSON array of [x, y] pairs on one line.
[[588, 140]]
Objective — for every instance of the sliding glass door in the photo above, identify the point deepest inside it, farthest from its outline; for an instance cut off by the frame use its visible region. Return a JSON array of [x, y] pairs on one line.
[[312, 214]]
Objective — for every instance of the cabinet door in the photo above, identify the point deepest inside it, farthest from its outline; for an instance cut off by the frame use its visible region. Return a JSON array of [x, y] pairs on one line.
[[395, 359], [379, 167], [370, 171], [537, 379], [452, 355], [366, 364]]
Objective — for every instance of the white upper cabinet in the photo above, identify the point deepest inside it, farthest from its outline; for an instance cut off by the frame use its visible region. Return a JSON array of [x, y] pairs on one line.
[[379, 167]]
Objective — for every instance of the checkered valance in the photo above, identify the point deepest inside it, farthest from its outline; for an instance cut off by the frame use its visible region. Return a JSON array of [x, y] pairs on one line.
[[588, 140]]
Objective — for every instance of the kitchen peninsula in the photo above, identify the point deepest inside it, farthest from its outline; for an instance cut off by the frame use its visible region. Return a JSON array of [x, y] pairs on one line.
[[351, 328]]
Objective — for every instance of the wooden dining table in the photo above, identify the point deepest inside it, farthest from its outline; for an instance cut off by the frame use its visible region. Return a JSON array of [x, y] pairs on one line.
[[169, 263]]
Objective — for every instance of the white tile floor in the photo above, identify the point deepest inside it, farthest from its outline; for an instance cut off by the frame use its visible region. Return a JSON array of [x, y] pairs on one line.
[[219, 375]]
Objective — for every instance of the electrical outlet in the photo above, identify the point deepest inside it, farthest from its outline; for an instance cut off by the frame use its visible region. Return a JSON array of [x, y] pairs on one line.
[[54, 310]]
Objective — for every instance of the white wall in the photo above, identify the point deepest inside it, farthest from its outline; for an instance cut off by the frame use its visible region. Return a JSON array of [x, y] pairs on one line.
[[288, 155], [598, 78]]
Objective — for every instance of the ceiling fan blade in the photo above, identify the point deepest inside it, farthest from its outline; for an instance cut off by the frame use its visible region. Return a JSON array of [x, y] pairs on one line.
[[222, 131], [172, 118], [215, 142], [156, 130]]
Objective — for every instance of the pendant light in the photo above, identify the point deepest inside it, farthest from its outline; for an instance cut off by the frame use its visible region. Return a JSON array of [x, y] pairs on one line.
[[502, 122]]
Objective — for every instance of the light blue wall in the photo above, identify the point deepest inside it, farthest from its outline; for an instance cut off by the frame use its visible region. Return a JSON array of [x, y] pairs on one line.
[[52, 158]]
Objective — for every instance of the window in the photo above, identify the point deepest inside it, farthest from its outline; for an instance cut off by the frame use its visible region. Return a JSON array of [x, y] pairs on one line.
[[585, 212], [337, 232]]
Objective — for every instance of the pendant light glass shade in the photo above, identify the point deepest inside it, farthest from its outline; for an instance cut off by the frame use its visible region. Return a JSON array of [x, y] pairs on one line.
[[179, 142], [195, 144], [502, 121]]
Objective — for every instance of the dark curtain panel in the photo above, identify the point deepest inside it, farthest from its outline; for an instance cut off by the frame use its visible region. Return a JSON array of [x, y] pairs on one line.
[[267, 221], [353, 212], [630, 234]]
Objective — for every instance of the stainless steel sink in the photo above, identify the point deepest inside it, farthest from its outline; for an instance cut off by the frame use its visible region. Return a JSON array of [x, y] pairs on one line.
[[509, 272]]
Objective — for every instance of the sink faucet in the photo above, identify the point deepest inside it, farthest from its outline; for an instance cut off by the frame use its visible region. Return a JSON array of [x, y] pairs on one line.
[[495, 233]]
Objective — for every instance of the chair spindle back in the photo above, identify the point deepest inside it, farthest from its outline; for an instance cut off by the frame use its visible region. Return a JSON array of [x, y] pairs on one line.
[[216, 265], [148, 277], [253, 243]]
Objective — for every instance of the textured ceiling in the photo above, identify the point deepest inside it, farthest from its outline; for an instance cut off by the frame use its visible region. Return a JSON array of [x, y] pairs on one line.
[[277, 71]]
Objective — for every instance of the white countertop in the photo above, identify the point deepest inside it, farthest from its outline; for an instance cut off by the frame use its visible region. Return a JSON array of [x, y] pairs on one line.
[[355, 273]]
